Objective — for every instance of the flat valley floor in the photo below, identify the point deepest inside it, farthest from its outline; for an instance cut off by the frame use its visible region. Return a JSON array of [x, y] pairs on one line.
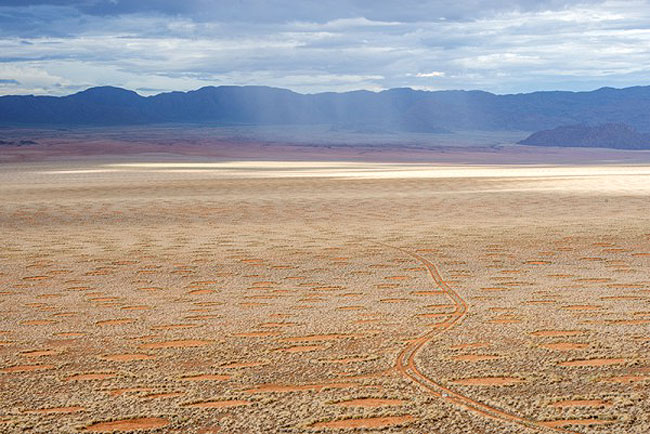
[[324, 297]]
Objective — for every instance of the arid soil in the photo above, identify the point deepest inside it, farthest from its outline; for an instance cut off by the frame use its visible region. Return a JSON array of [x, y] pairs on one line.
[[286, 143], [323, 297]]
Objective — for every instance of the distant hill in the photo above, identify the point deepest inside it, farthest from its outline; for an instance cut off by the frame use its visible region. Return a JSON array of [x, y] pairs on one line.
[[391, 110], [619, 136]]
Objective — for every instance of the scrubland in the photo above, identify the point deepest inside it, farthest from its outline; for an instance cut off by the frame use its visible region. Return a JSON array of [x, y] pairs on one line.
[[326, 297]]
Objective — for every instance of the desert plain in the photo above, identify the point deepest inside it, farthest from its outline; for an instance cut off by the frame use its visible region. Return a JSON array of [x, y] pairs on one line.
[[323, 297]]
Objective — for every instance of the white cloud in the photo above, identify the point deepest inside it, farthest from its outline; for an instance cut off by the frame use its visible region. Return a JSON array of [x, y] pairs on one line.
[[22, 79], [433, 74]]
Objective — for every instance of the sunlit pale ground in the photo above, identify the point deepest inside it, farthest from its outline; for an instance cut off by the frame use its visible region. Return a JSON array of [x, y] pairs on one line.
[[264, 297]]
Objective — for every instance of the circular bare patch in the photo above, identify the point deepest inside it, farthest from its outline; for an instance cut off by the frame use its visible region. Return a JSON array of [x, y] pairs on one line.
[[128, 424]]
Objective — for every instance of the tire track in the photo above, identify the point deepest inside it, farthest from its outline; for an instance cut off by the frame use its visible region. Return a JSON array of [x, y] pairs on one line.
[[406, 365]]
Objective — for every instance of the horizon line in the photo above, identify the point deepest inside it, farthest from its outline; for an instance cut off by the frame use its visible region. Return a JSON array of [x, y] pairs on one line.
[[163, 92]]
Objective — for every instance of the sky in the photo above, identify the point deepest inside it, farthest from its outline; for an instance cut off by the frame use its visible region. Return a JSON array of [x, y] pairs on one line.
[[59, 47]]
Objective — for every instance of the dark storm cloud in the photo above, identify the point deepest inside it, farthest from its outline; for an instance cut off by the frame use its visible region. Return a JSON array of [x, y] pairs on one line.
[[304, 10]]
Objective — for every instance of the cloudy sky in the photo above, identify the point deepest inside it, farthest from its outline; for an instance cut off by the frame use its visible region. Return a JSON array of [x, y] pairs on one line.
[[59, 47]]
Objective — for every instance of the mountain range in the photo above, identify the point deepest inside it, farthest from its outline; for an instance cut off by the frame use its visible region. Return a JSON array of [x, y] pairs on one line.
[[401, 109]]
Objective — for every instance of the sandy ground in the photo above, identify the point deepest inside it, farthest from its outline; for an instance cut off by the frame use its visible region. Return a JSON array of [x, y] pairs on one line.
[[324, 297]]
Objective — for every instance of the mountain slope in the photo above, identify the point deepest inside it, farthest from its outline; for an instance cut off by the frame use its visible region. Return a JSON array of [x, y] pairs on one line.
[[618, 136]]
